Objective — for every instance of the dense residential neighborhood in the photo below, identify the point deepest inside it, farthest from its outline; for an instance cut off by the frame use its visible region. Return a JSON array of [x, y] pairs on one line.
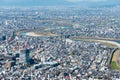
[[41, 43]]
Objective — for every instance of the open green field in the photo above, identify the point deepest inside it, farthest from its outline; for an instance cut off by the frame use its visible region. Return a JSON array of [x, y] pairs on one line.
[[114, 65]]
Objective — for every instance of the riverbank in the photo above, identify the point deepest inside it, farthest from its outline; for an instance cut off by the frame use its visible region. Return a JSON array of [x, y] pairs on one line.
[[35, 34]]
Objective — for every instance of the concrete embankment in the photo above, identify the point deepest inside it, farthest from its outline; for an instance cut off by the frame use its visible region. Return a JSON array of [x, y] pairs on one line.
[[111, 56]]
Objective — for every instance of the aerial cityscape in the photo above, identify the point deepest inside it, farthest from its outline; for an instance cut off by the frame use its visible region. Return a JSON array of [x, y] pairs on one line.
[[42, 42]]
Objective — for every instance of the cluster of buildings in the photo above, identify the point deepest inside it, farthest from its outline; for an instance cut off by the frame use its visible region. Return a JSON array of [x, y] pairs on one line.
[[25, 57], [39, 58]]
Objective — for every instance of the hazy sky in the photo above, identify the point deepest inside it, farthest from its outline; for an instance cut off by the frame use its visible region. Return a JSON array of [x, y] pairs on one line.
[[57, 2]]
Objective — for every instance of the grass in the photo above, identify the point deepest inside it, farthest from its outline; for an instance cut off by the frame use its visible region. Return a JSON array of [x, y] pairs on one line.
[[114, 65]]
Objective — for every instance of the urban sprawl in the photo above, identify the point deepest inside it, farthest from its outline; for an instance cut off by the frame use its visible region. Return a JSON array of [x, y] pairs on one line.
[[57, 43]]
